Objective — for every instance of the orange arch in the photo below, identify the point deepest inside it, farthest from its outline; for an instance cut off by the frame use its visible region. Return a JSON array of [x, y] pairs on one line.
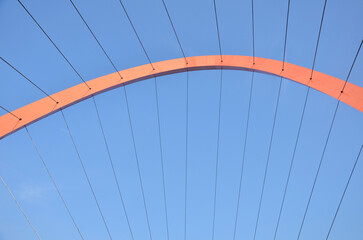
[[352, 95]]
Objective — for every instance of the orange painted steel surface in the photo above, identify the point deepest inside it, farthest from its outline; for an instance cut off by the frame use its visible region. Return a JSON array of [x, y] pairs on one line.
[[352, 95]]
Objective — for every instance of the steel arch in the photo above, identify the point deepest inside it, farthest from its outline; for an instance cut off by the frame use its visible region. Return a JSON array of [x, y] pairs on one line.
[[352, 95]]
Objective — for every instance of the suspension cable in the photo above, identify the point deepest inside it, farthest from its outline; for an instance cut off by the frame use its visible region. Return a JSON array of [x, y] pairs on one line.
[[22, 211], [292, 162], [351, 68], [137, 35], [219, 121], [243, 156], [175, 33], [317, 43], [94, 36], [318, 170], [355, 163], [186, 156], [137, 161], [161, 157], [28, 79], [286, 28], [247, 124], [54, 184], [253, 31], [12, 114], [186, 163], [268, 159], [107, 148], [219, 38], [273, 125], [345, 189], [217, 153], [65, 58]]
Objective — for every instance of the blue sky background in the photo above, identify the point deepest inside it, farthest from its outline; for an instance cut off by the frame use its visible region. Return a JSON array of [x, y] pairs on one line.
[[25, 46]]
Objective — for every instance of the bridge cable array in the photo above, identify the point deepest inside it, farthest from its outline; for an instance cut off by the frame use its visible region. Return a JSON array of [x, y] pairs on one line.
[[187, 131], [324, 150], [48, 37]]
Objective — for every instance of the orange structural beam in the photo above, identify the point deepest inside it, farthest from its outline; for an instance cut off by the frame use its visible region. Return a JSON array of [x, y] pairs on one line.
[[352, 95]]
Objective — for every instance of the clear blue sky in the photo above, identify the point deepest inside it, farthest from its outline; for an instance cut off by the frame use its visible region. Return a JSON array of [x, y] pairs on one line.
[[25, 46]]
